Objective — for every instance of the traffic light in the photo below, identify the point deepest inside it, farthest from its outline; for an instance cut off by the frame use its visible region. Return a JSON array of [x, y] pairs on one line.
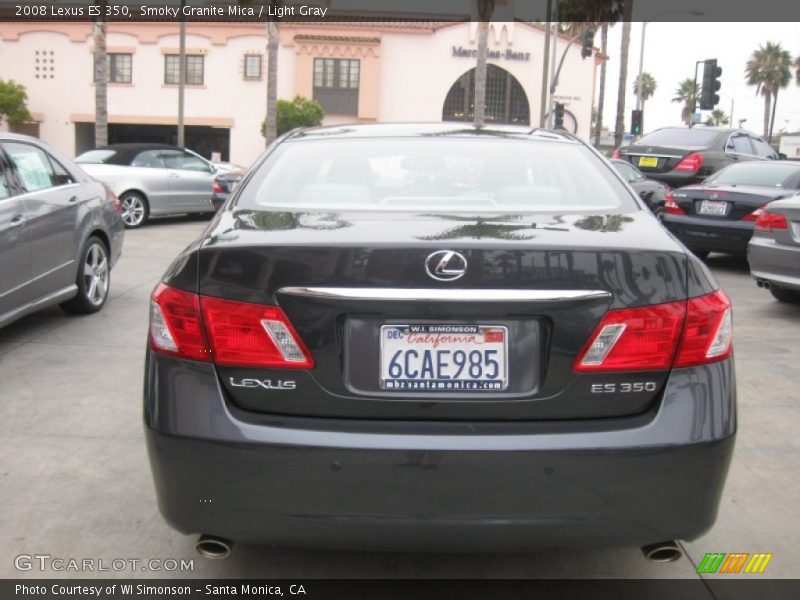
[[711, 85], [588, 42], [558, 122], [637, 122]]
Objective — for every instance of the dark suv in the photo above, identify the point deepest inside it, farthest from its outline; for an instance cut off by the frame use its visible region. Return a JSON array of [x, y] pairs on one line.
[[681, 156]]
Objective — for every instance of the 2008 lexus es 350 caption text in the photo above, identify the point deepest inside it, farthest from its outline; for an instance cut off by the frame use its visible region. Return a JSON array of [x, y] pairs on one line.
[[436, 337]]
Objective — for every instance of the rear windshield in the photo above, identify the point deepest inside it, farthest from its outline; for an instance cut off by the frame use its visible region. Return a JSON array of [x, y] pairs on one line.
[[435, 174], [684, 138], [755, 173], [95, 157]]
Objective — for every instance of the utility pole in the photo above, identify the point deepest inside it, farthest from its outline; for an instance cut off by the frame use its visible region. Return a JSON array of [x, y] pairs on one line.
[[181, 76], [545, 55]]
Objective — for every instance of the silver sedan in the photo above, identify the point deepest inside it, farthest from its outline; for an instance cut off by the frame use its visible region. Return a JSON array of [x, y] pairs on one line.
[[152, 179], [774, 250], [60, 232]]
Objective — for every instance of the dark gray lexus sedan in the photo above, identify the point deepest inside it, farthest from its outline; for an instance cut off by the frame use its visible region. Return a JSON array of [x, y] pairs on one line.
[[442, 338]]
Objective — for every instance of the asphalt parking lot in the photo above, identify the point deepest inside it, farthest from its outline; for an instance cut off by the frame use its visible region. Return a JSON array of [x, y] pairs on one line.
[[75, 481]]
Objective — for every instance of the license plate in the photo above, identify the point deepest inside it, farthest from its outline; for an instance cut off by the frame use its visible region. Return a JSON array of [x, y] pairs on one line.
[[648, 161], [444, 357], [713, 208]]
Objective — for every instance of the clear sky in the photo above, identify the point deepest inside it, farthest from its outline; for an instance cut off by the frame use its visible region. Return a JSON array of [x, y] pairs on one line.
[[670, 53]]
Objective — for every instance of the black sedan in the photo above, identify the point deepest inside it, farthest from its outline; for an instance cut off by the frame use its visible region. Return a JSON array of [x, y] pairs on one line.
[[681, 156], [438, 337], [223, 185], [718, 215], [654, 193]]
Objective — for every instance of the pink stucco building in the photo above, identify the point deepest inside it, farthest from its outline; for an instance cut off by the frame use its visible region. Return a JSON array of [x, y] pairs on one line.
[[359, 71]]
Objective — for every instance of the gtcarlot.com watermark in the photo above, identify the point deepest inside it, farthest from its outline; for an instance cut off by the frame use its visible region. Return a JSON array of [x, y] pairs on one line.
[[46, 562]]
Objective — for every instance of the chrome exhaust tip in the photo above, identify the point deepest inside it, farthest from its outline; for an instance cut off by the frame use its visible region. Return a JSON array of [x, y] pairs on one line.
[[210, 546], [662, 552]]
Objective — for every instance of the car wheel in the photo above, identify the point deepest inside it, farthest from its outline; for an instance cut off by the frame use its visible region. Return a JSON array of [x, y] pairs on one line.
[[784, 295], [93, 281], [134, 209]]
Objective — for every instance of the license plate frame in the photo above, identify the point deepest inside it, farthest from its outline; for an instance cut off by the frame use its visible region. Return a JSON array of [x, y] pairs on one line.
[[648, 161], [713, 208], [447, 332]]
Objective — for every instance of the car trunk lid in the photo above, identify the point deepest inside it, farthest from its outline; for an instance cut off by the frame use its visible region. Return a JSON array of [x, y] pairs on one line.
[[654, 159], [541, 283], [725, 202]]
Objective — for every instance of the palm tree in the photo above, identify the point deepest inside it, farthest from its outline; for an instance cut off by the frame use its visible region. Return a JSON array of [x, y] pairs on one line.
[[100, 81], [627, 14], [717, 118], [687, 94], [601, 98], [271, 127], [649, 86], [485, 10], [769, 69]]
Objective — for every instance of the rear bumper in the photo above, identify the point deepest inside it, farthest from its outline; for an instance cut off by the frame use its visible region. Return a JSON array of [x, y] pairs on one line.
[[777, 263], [438, 486], [674, 179], [703, 234], [217, 200]]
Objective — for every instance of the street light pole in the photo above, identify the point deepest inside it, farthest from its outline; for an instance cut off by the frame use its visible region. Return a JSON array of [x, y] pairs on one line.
[[639, 101], [545, 56], [553, 70], [641, 69]]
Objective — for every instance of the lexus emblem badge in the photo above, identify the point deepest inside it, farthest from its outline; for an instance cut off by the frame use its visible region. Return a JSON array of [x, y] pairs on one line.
[[446, 265]]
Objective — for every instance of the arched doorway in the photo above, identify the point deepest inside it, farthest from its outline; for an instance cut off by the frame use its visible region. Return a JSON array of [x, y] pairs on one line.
[[506, 101]]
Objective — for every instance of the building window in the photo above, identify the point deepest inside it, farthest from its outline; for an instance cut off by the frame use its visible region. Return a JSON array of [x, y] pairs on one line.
[[506, 101], [252, 66], [194, 69], [120, 68], [336, 84]]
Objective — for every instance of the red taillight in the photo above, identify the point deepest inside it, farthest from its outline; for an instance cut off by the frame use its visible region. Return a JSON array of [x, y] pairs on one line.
[[229, 333], [691, 163], [708, 333], [671, 207], [658, 337], [244, 334], [176, 327], [634, 339], [217, 187], [755, 214], [114, 199], [616, 153], [769, 221]]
